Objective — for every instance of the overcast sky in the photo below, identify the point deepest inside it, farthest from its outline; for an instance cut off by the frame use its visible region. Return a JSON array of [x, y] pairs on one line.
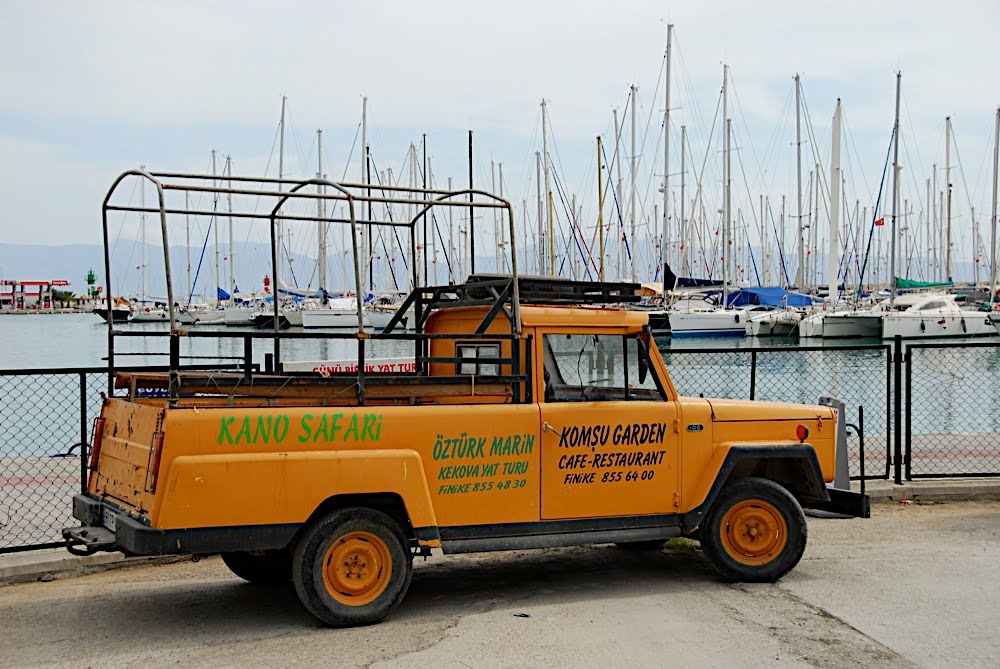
[[91, 89]]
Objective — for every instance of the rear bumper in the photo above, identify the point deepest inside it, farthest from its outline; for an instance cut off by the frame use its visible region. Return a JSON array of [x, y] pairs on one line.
[[108, 528]]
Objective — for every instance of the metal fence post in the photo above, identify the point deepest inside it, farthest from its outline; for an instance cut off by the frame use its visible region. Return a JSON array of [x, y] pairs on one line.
[[909, 412], [753, 374], [897, 412], [83, 432]]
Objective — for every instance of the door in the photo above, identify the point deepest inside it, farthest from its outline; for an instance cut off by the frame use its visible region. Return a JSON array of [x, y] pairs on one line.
[[608, 444]]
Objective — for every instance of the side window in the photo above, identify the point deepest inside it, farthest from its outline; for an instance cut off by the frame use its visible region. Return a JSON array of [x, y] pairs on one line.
[[594, 368], [471, 353]]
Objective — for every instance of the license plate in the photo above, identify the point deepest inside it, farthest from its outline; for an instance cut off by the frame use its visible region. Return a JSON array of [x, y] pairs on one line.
[[108, 518]]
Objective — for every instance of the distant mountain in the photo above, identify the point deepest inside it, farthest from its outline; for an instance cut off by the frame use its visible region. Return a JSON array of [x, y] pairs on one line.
[[37, 262]]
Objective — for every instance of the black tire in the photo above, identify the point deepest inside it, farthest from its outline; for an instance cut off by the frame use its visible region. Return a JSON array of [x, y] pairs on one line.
[[371, 547], [755, 531], [650, 545], [264, 567]]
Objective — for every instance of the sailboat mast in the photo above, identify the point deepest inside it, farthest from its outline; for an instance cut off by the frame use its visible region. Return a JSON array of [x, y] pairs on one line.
[[451, 240], [279, 228], [187, 237], [500, 233], [683, 220], [799, 275], [600, 209], [632, 209], [320, 224], [993, 216], [618, 198], [142, 241], [363, 232], [229, 208], [547, 244], [666, 162], [832, 254], [895, 198], [540, 240], [725, 185], [215, 230], [947, 180]]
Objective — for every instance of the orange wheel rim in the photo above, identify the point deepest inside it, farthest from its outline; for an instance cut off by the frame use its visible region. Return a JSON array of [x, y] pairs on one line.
[[754, 532], [357, 568]]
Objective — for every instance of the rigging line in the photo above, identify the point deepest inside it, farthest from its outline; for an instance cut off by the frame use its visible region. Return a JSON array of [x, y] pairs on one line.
[[201, 258], [621, 223], [395, 233], [781, 253], [753, 210], [573, 230], [135, 186], [753, 261], [437, 227], [823, 185], [871, 231], [742, 117]]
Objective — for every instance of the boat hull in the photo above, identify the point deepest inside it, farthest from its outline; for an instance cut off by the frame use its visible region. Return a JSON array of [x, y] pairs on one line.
[[915, 326], [723, 323], [855, 326]]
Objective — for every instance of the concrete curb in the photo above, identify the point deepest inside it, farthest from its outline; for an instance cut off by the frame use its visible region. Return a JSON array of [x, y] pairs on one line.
[[44, 564], [935, 490]]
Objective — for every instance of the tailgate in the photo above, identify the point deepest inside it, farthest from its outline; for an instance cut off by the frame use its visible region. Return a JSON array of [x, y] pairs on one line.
[[126, 454]]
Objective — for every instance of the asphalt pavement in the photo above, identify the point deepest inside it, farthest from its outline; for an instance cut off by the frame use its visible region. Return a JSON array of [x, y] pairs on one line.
[[914, 586]]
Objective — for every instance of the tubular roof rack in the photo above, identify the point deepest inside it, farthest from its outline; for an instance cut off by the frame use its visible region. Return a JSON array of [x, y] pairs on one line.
[[557, 290], [503, 293]]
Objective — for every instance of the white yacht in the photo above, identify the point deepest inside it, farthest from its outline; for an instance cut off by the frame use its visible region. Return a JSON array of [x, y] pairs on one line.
[[919, 315], [342, 312], [709, 322]]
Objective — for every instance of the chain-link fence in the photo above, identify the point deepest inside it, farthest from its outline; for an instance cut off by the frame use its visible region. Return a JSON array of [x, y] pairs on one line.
[[858, 375], [952, 425], [46, 419], [45, 423], [952, 410]]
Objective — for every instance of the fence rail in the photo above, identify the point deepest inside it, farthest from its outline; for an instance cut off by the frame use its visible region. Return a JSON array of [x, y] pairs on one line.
[[930, 410]]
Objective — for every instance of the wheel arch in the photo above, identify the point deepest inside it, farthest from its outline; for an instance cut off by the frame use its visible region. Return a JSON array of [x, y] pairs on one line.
[[796, 468]]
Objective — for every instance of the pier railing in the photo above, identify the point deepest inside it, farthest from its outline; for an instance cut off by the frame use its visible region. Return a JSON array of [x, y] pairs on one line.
[[943, 421]]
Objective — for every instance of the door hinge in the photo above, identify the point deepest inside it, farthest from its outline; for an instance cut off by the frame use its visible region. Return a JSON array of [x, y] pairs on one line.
[[677, 500], [677, 425]]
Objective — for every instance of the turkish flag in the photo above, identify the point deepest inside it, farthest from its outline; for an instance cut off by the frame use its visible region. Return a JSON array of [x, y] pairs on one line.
[[880, 221]]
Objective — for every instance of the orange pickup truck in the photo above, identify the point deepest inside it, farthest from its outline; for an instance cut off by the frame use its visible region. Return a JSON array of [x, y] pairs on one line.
[[568, 431]]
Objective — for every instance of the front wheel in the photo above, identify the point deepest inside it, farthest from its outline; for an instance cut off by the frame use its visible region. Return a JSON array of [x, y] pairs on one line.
[[754, 532], [352, 567]]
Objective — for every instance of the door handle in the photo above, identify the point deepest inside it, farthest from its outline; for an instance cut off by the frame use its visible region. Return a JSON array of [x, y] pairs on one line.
[[547, 426]]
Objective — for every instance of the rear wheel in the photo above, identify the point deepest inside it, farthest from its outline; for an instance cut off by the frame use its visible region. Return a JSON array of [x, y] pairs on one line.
[[261, 566], [755, 531], [352, 567]]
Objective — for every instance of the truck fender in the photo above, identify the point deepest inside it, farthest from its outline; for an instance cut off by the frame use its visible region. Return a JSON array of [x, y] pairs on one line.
[[795, 467]]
